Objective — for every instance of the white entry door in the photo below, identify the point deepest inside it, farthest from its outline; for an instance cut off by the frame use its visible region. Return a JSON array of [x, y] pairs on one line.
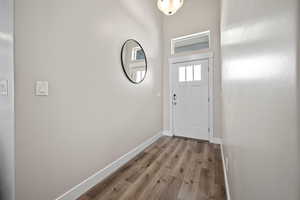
[[190, 99]]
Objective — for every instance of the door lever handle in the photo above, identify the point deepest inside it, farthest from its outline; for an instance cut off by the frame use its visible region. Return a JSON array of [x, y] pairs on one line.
[[174, 99]]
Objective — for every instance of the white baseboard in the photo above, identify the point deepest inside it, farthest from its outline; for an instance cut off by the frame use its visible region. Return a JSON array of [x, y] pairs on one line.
[[90, 182], [225, 174], [215, 140], [167, 133]]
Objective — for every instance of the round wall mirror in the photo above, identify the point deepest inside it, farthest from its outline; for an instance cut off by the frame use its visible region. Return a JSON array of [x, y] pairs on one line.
[[134, 61]]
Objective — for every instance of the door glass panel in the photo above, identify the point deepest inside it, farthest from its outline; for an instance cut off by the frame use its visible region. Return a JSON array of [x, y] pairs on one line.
[[197, 72], [189, 73], [181, 74]]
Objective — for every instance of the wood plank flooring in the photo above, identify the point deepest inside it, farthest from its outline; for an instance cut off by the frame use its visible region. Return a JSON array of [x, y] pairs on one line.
[[170, 169]]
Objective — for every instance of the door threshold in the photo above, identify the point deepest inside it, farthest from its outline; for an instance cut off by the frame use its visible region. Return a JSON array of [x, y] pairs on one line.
[[188, 138]]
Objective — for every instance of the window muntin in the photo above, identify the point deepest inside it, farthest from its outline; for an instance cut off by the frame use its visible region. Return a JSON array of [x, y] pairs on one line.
[[190, 73], [181, 73], [197, 72]]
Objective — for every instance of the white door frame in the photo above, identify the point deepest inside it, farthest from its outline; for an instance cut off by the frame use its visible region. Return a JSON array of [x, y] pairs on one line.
[[189, 58]]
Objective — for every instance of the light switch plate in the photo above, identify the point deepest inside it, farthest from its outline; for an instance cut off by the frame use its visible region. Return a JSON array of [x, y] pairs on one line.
[[4, 87], [42, 88]]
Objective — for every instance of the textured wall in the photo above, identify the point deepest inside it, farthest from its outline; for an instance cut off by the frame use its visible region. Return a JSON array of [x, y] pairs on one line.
[[93, 114], [260, 87]]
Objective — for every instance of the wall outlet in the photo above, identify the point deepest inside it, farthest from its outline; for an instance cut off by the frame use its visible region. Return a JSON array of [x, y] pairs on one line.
[[4, 87], [41, 88]]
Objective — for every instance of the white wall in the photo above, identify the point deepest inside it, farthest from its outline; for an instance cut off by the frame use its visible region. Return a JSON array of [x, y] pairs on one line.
[[93, 114], [195, 16], [6, 102], [259, 79]]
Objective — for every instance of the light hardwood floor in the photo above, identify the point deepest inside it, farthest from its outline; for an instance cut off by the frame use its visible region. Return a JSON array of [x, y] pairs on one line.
[[170, 169]]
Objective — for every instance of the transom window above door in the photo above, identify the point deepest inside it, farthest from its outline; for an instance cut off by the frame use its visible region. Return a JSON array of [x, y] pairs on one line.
[[189, 73], [190, 43]]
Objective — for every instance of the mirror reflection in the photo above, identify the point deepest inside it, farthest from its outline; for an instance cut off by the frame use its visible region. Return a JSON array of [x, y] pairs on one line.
[[134, 61]]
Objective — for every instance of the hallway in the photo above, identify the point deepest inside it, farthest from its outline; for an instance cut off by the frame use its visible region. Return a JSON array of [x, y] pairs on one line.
[[150, 100], [171, 168]]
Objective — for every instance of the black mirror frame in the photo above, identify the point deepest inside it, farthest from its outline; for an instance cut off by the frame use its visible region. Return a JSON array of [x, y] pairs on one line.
[[123, 67]]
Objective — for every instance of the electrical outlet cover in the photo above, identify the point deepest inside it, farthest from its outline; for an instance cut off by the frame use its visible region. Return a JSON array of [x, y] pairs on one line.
[[41, 88], [4, 87]]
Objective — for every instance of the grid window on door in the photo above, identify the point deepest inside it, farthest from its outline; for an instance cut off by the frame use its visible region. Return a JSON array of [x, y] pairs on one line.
[[189, 73], [181, 74]]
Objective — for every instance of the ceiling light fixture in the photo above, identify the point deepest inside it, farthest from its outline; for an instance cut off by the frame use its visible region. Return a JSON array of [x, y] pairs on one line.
[[169, 7]]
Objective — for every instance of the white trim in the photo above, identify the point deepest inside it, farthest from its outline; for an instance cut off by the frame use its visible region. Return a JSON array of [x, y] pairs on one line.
[[225, 174], [215, 140], [191, 36], [188, 58], [99, 176], [191, 57], [211, 94], [11, 85], [167, 133]]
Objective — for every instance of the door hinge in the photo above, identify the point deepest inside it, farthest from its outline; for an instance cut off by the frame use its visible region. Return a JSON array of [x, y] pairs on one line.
[[208, 99], [209, 130]]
